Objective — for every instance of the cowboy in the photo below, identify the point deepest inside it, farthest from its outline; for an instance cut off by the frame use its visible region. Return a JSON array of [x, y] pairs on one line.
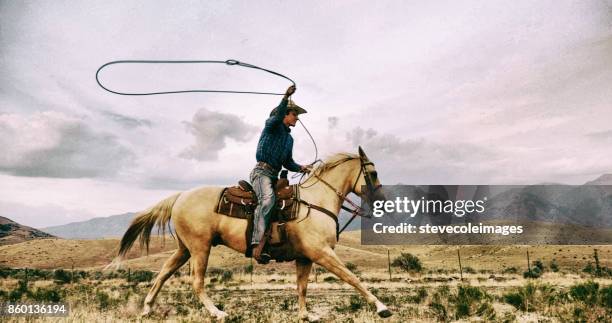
[[274, 150]]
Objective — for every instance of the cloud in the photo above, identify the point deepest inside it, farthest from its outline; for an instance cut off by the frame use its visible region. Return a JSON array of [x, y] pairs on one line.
[[53, 144], [211, 129], [430, 160], [600, 135], [425, 161], [32, 215], [332, 122], [126, 121]]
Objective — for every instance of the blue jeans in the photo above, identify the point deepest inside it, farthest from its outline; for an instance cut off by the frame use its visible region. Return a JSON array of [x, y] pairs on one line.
[[262, 180]]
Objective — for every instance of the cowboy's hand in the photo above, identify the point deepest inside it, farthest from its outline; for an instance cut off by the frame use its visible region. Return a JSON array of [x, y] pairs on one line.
[[290, 91], [306, 169]]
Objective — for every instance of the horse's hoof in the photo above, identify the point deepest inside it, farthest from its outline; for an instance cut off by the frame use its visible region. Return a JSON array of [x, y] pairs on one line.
[[146, 311], [310, 318], [220, 315], [385, 313]]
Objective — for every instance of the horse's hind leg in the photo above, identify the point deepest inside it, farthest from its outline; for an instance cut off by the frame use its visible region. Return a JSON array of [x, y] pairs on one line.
[[180, 256], [200, 262], [328, 259]]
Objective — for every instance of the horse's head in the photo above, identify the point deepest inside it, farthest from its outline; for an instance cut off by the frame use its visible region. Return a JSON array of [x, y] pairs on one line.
[[368, 185]]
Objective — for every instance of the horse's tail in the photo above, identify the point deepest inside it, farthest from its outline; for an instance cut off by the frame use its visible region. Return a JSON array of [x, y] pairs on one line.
[[144, 222]]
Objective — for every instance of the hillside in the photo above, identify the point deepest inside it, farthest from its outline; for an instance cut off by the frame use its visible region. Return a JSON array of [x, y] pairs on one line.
[[12, 232], [95, 254], [605, 179]]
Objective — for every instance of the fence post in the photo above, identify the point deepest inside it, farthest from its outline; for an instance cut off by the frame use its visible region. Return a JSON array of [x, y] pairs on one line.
[[597, 266], [528, 264], [460, 267], [389, 262], [252, 270]]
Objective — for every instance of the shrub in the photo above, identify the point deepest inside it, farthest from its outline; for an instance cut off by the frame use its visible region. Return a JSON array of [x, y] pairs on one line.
[[419, 296], [21, 289], [5, 272], [97, 275], [554, 267], [352, 267], [103, 300], [469, 270], [226, 276], [408, 262], [469, 293], [586, 292], [61, 276], [82, 274], [467, 297], [510, 270], [355, 304], [486, 311], [515, 299], [589, 269], [535, 272], [287, 304], [141, 276], [539, 264], [214, 271], [51, 295], [439, 310], [522, 298], [605, 296]]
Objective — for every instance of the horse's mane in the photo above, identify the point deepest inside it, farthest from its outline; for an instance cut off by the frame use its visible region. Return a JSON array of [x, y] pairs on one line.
[[331, 162]]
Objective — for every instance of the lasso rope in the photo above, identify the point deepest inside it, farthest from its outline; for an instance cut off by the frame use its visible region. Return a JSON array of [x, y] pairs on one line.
[[229, 62]]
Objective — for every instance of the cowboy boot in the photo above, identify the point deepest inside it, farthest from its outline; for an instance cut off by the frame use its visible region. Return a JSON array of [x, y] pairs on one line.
[[259, 250]]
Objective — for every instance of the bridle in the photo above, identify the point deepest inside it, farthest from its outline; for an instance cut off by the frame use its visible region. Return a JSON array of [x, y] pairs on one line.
[[356, 209]]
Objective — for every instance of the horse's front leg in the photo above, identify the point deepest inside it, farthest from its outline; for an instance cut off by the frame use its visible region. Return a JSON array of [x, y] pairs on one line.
[[303, 267], [327, 258]]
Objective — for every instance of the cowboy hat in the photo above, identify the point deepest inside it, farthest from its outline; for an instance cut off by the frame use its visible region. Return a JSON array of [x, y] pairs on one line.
[[290, 106]]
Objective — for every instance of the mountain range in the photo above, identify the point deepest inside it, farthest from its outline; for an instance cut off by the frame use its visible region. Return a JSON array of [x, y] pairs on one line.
[[598, 207]]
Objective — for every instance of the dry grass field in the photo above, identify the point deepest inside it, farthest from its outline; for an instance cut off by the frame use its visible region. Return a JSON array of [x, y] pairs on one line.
[[493, 288]]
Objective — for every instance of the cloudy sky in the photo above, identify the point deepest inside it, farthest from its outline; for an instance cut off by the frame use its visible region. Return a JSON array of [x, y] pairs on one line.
[[445, 92]]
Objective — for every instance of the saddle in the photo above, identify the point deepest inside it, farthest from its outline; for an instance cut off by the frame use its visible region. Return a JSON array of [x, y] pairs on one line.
[[239, 201]]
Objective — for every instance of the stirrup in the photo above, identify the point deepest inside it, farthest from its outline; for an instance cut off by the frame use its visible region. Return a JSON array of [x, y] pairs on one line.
[[263, 259], [261, 255]]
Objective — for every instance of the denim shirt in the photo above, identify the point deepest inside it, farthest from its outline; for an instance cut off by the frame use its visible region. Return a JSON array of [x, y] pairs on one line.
[[275, 145]]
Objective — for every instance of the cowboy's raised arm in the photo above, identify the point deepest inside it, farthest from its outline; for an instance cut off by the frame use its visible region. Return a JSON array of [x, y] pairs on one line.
[[281, 110], [277, 119]]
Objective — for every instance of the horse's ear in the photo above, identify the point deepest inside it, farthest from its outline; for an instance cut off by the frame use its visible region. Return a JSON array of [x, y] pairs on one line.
[[362, 153]]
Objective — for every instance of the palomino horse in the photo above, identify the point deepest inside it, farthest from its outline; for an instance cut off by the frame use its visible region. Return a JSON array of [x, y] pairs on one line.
[[312, 234]]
